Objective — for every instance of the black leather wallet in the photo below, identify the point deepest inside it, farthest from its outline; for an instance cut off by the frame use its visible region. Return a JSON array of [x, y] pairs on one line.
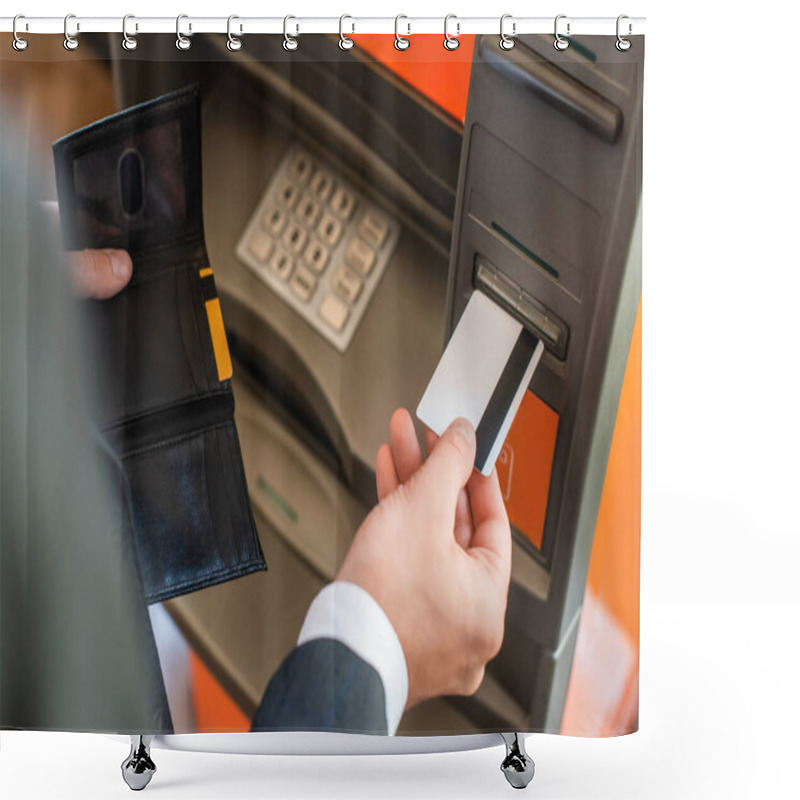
[[161, 363]]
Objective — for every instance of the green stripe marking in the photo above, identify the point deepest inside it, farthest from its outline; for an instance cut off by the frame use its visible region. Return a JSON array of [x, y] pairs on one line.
[[529, 253], [582, 49], [277, 499]]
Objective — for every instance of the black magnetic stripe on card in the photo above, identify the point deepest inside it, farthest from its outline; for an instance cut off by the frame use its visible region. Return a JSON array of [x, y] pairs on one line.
[[503, 395]]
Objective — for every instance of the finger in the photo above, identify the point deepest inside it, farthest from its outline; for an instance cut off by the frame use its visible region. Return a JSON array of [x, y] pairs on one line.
[[463, 526], [492, 531], [449, 466], [472, 681], [385, 472], [405, 446], [463, 521], [491, 548], [485, 498], [430, 440], [100, 273], [463, 535]]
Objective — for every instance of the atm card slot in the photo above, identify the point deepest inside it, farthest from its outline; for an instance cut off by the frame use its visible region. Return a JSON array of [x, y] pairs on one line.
[[553, 331]]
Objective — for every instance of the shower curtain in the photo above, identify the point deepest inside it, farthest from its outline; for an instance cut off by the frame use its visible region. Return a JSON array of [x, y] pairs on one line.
[[320, 390]]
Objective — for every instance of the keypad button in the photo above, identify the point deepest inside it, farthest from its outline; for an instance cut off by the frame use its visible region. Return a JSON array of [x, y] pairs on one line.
[[316, 256], [260, 245], [281, 265], [274, 220], [303, 284], [374, 229], [309, 212], [334, 312], [360, 256], [343, 203], [329, 230], [295, 238], [288, 194], [302, 167], [322, 185], [348, 284]]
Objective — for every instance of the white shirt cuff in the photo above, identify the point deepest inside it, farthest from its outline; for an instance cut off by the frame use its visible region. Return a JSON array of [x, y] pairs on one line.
[[349, 614]]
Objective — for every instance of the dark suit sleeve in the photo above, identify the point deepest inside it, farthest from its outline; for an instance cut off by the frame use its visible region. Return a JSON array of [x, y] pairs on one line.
[[323, 686]]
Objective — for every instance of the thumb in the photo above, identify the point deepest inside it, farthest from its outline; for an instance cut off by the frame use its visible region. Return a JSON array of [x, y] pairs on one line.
[[100, 273], [449, 465]]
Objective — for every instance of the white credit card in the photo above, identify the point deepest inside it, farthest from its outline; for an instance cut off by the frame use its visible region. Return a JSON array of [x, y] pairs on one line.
[[482, 376]]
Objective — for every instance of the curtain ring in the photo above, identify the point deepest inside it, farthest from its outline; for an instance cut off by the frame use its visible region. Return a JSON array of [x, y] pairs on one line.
[[70, 42], [289, 42], [400, 42], [559, 42], [182, 42], [234, 42], [506, 42], [451, 42], [129, 42], [622, 43], [19, 43], [345, 42]]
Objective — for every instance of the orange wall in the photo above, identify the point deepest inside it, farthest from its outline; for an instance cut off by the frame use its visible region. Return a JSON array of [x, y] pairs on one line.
[[614, 565], [603, 693], [214, 709], [442, 75]]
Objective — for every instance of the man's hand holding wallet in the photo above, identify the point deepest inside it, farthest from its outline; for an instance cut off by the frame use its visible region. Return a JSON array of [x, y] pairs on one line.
[[161, 371]]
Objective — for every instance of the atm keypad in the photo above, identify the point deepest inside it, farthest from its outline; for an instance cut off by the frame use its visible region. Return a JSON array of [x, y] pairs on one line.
[[320, 244]]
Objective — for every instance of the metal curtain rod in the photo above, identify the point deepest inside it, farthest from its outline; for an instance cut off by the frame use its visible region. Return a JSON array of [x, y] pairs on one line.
[[74, 25]]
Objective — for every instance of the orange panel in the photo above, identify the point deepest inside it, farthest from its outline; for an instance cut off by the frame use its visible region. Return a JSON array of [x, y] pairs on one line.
[[603, 693], [614, 566], [525, 463], [213, 708], [442, 75]]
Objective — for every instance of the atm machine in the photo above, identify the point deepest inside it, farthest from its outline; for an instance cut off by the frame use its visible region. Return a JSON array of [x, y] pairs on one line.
[[518, 178]]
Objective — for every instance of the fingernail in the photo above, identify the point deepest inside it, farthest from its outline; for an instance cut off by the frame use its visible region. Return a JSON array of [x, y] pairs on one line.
[[464, 427], [120, 264]]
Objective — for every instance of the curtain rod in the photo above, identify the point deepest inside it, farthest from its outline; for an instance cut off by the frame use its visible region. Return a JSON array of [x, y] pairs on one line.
[[74, 25]]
